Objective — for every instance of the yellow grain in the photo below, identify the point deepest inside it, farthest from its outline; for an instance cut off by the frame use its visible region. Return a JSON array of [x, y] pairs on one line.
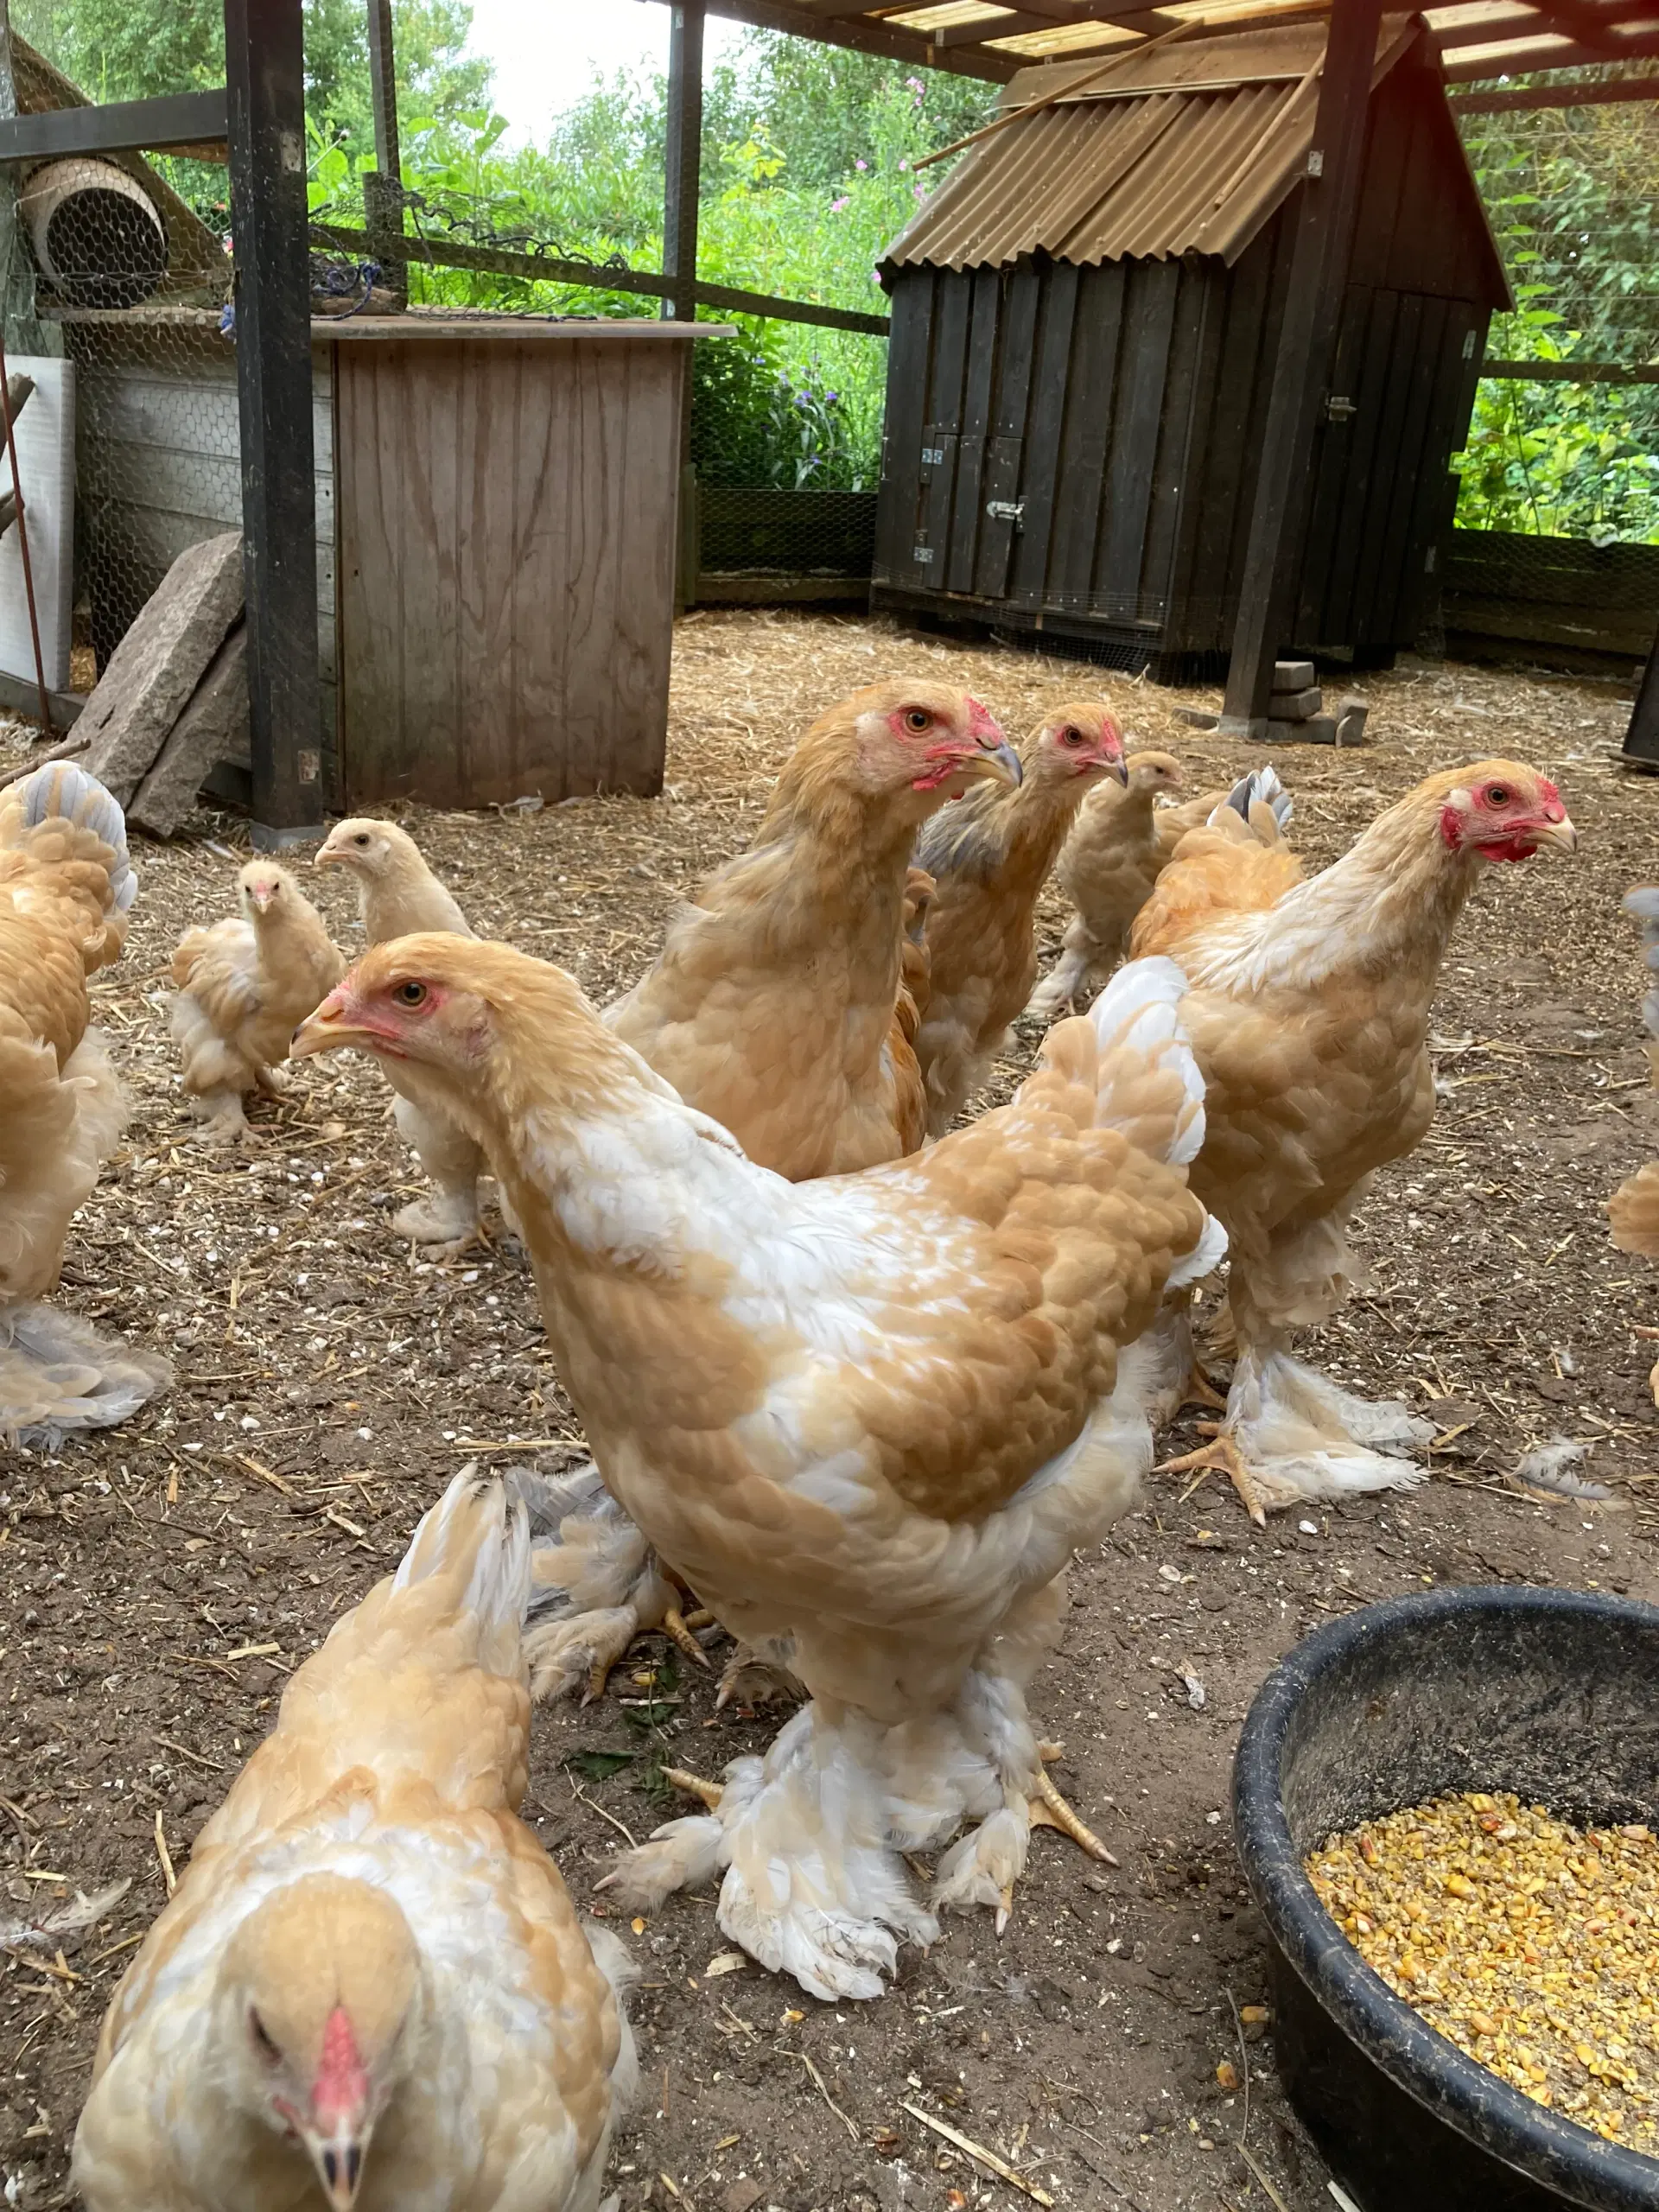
[[1531, 1944]]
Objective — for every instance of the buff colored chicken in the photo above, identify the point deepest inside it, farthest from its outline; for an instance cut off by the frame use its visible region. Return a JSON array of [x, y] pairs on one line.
[[397, 893], [1308, 1011], [1107, 868], [870, 1416], [370, 1988], [242, 986], [66, 888], [775, 1005], [990, 856]]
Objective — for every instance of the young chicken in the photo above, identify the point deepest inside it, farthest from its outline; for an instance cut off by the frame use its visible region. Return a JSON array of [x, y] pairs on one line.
[[869, 1416], [771, 1006], [1309, 1010], [990, 856], [1107, 866], [243, 984], [396, 893], [370, 1988], [66, 888]]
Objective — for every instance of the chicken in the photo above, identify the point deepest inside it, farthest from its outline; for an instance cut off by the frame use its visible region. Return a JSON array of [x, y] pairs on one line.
[[1308, 1011], [66, 888], [396, 893], [243, 984], [990, 856], [1107, 868], [772, 1007], [869, 1416], [370, 1987]]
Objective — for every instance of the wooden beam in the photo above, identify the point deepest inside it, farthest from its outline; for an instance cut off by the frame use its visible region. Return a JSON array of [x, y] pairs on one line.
[[684, 157], [1318, 273], [1530, 57], [864, 36], [1267, 18], [1569, 373], [120, 127], [1596, 95], [383, 185], [1642, 738], [441, 253], [265, 74]]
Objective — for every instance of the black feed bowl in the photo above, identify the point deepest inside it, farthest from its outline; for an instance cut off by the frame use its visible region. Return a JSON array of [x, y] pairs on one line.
[[1548, 1693]]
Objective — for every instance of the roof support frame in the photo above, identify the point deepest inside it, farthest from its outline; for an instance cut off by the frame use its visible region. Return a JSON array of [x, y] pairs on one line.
[[1318, 271]]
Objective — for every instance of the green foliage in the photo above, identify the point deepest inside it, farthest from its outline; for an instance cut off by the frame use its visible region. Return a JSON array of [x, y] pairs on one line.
[[1572, 197]]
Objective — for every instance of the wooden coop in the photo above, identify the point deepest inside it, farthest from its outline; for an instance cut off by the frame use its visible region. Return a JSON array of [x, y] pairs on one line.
[[1085, 324]]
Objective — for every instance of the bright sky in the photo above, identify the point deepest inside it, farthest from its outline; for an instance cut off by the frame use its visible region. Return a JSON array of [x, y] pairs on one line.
[[547, 52]]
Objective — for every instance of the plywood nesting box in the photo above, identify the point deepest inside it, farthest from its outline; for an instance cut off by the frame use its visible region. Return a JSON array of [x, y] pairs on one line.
[[506, 496], [1085, 322]]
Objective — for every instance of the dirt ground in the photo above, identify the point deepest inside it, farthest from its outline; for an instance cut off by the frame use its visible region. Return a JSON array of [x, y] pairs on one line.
[[159, 1584]]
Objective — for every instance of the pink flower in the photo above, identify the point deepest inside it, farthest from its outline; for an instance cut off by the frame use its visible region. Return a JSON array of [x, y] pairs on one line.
[[835, 205], [860, 163]]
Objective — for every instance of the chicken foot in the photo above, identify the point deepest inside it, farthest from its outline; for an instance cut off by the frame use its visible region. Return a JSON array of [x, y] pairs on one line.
[[1290, 1435]]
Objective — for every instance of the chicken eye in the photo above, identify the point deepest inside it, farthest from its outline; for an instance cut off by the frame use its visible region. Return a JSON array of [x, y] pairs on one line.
[[1070, 737], [918, 718], [411, 993], [261, 2036], [361, 841], [1498, 795]]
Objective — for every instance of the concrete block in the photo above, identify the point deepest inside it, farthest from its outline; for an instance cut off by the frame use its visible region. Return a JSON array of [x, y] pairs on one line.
[[214, 727], [1317, 729], [158, 664], [1195, 717], [1295, 706], [1351, 722], [1292, 675]]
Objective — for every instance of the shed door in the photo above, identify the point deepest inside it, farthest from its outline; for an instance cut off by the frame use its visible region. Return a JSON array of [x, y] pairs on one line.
[[926, 564], [999, 519]]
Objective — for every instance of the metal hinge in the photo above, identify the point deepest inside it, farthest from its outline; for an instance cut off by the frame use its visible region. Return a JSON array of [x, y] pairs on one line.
[[1339, 408], [1006, 510], [921, 553], [932, 456]]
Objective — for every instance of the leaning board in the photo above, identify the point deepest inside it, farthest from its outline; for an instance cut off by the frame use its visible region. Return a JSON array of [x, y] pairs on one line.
[[45, 434]]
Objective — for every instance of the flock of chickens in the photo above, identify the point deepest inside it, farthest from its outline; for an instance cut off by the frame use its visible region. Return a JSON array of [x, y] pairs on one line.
[[856, 1382]]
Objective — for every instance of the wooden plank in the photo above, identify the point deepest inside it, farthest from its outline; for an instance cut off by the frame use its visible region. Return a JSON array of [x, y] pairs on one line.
[[1188, 622], [1355, 515], [1325, 226], [482, 328], [1437, 489], [1150, 313], [1002, 516], [899, 509], [1237, 408], [181, 119], [1173, 469], [1058, 293], [1642, 738], [1392, 424], [1091, 402], [947, 373], [265, 78], [683, 157], [1379, 623], [982, 342], [1332, 466], [928, 555]]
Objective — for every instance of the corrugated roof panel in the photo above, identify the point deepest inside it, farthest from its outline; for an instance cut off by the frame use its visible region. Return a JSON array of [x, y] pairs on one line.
[[1145, 174]]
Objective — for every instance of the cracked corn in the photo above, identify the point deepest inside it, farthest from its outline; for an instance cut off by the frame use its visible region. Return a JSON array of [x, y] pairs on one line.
[[1531, 1945]]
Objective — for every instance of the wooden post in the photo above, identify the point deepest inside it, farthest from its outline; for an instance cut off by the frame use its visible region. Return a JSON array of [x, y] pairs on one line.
[[265, 82], [685, 154], [681, 184], [383, 197], [1319, 275], [1642, 738]]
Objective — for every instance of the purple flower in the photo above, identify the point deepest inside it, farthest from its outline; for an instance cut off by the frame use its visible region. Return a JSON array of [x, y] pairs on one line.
[[903, 166], [835, 205], [860, 163]]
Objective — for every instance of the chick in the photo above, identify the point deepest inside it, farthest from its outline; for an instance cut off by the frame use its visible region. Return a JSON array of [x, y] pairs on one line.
[[244, 985]]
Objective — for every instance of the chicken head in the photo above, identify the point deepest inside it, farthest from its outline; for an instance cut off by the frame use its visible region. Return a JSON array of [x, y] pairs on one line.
[[316, 1993], [928, 737], [1505, 811], [1079, 740], [263, 888]]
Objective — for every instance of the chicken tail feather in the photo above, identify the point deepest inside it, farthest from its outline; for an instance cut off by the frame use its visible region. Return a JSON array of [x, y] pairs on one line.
[[479, 1538], [1149, 1084]]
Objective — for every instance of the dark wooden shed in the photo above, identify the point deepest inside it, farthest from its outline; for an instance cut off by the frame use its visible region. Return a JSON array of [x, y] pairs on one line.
[[1086, 321]]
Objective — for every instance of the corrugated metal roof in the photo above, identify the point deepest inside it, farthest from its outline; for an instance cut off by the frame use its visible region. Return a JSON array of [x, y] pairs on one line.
[[1131, 168]]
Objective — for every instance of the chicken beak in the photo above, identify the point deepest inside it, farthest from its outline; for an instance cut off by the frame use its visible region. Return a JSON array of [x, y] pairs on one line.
[[327, 856], [1556, 836], [339, 2158], [1120, 768], [1000, 760], [328, 1028]]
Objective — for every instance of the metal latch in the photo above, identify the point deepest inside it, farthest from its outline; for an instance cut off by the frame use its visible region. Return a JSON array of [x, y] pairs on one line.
[[1006, 510], [1339, 408]]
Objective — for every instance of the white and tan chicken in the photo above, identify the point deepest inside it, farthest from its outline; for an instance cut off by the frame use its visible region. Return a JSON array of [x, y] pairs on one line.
[[371, 1989]]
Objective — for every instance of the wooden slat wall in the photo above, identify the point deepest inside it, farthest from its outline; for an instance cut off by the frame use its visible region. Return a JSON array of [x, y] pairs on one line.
[[506, 520]]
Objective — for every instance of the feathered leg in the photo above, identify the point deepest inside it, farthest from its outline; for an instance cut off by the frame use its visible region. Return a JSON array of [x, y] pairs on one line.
[[449, 1217]]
